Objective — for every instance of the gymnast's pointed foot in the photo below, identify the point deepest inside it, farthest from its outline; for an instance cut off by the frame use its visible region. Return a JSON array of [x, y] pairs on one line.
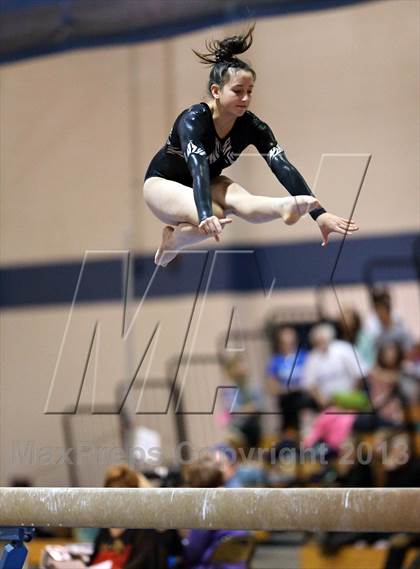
[[294, 207], [165, 254]]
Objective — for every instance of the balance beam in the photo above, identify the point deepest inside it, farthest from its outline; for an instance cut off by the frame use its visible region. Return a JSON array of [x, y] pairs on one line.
[[308, 509]]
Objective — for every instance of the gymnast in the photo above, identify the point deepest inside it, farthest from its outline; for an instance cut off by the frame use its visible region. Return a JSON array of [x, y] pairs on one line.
[[184, 186]]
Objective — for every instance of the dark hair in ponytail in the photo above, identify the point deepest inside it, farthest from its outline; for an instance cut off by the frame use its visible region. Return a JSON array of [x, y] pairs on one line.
[[221, 56]]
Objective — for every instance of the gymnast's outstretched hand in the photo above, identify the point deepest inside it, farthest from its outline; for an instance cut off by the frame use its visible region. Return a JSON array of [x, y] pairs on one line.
[[330, 223], [213, 226]]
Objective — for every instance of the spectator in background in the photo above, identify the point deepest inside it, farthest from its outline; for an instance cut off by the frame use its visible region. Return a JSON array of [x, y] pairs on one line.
[[284, 379], [333, 427], [350, 330], [349, 325], [240, 469], [411, 371], [412, 363], [383, 325], [332, 366], [200, 544], [226, 458], [244, 405], [383, 383], [130, 548]]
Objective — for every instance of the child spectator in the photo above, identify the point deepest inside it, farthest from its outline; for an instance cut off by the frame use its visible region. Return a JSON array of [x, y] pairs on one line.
[[133, 548], [200, 544]]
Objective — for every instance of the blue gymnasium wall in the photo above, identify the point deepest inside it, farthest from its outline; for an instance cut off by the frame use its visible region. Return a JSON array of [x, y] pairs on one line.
[[354, 260], [32, 28]]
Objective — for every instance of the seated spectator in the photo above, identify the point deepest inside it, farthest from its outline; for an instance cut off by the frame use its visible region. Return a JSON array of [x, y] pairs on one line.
[[331, 434], [402, 466], [411, 374], [244, 405], [200, 544], [332, 366], [333, 427], [383, 384], [284, 375], [240, 469], [130, 548], [226, 458], [350, 330], [384, 325]]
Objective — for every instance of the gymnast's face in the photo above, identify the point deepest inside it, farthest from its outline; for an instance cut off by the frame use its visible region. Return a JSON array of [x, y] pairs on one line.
[[235, 95]]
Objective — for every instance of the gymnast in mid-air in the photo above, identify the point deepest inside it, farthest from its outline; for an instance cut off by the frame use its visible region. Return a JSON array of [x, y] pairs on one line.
[[184, 186]]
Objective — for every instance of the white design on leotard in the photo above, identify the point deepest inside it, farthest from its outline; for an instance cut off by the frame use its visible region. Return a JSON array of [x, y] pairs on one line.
[[229, 155], [173, 150], [193, 149], [275, 151], [224, 150]]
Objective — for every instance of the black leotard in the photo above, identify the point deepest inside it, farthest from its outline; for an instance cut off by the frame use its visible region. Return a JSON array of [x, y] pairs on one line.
[[194, 154]]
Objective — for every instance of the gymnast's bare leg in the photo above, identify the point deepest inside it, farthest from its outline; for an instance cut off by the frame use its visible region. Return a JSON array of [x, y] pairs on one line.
[[173, 203], [235, 199]]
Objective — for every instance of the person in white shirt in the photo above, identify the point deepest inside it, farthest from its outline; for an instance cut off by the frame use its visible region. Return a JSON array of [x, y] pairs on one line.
[[333, 366]]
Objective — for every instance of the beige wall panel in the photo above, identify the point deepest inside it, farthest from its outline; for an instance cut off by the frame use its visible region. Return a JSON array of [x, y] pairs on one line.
[[65, 151]]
